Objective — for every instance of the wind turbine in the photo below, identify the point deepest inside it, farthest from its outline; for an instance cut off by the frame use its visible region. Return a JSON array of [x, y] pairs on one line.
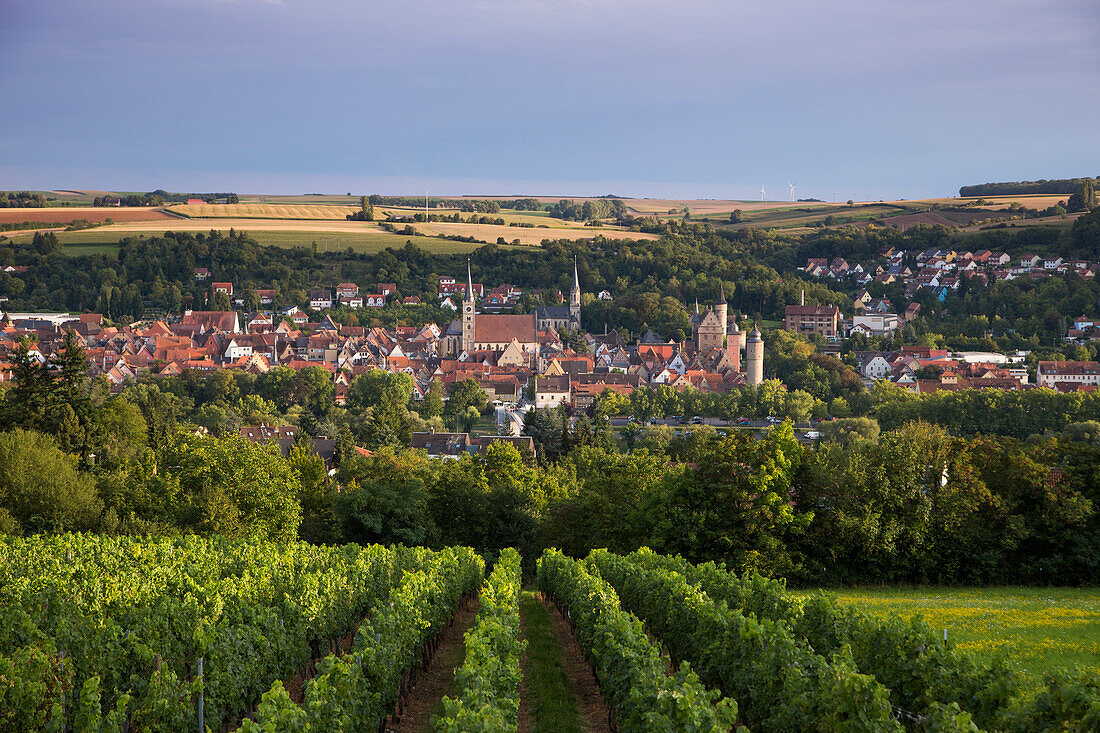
[[763, 196], [792, 189]]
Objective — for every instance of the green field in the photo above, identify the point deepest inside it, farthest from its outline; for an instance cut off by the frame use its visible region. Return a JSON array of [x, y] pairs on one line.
[[99, 241], [1036, 628]]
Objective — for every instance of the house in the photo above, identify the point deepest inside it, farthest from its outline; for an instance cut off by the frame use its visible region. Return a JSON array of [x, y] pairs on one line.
[[202, 273], [374, 301], [351, 301], [1054, 374], [346, 290], [387, 289], [320, 299], [604, 295], [208, 321], [873, 365], [805, 319], [551, 391], [226, 288], [441, 445], [267, 295]]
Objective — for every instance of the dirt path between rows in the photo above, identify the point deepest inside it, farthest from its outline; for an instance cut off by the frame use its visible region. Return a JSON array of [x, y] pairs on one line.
[[590, 702], [435, 682]]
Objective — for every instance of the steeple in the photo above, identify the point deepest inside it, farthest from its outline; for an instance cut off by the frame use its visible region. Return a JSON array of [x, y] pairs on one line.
[[696, 306], [575, 300], [721, 295], [467, 341]]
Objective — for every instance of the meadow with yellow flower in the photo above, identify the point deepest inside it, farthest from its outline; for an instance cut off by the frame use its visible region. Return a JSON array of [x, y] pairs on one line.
[[1037, 629]]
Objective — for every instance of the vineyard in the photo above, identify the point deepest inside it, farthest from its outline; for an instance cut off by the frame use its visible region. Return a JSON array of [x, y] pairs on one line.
[[184, 634]]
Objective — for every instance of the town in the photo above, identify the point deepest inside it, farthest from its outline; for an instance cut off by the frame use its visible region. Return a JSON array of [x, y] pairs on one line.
[[541, 359]]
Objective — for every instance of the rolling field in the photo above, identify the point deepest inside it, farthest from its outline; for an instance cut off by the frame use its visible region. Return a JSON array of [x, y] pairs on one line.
[[1037, 628], [263, 211], [104, 240], [69, 214]]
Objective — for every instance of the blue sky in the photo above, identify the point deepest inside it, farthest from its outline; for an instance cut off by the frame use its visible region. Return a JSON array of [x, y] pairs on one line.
[[860, 99]]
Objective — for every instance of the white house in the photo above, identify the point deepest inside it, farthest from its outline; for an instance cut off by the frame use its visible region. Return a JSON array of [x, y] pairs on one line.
[[320, 299], [875, 323]]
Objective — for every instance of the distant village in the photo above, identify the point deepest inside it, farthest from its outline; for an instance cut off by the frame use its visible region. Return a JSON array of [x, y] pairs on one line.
[[521, 360], [944, 270]]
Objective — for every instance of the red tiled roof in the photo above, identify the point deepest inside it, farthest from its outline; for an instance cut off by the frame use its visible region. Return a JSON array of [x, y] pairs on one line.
[[495, 329]]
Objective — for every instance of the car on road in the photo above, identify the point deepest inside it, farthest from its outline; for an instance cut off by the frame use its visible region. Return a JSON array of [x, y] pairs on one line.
[[812, 434], [696, 420], [744, 421]]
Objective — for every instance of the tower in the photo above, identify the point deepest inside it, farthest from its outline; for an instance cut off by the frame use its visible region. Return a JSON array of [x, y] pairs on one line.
[[735, 341], [754, 358], [720, 308], [575, 299], [468, 312]]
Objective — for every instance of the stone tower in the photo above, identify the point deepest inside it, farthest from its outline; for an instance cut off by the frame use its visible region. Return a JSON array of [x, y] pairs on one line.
[[735, 341], [720, 308], [575, 299], [754, 358], [468, 312]]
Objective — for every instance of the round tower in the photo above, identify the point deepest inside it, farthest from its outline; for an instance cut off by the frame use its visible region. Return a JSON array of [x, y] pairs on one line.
[[754, 358]]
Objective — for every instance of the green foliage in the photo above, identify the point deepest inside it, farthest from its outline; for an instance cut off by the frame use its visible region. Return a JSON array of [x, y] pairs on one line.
[[954, 688], [779, 686], [735, 505], [231, 486], [40, 487], [356, 692], [1017, 413], [488, 682], [33, 685], [632, 671], [254, 611]]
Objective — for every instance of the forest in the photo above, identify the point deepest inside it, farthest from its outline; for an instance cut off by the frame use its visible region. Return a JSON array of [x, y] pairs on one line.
[[1017, 188]]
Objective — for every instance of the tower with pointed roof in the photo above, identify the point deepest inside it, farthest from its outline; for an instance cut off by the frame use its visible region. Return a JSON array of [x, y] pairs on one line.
[[468, 312], [575, 299], [720, 308]]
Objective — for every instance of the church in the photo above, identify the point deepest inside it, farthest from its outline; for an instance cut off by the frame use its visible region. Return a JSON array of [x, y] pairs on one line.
[[562, 317], [473, 331]]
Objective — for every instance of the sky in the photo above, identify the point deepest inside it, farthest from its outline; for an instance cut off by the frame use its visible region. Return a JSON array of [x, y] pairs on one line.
[[863, 99]]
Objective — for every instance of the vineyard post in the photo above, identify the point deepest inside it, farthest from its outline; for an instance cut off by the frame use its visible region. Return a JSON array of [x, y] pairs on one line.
[[62, 655], [202, 723]]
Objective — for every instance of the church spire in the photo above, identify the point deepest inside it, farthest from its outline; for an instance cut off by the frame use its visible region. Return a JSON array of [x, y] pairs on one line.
[[576, 278], [721, 294], [469, 281]]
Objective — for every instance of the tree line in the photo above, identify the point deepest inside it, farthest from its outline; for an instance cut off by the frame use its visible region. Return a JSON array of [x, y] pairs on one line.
[[1017, 188]]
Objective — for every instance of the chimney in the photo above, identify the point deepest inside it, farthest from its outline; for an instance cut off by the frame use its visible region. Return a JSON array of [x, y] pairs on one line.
[[803, 301]]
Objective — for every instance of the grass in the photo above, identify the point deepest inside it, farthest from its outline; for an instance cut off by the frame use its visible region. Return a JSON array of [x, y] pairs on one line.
[[1037, 628], [105, 240], [551, 702]]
